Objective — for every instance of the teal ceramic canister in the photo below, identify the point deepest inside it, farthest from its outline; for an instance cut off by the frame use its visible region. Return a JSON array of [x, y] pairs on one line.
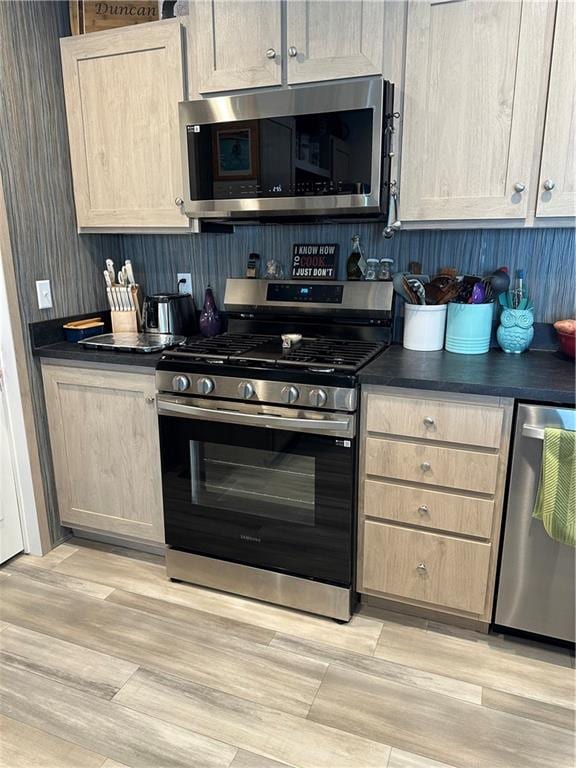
[[468, 328], [516, 331]]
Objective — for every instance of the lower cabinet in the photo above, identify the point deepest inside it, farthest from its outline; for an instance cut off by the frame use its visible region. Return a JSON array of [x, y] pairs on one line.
[[432, 478], [105, 450]]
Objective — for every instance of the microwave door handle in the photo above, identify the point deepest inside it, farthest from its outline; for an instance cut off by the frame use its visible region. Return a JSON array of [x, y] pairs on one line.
[[165, 407]]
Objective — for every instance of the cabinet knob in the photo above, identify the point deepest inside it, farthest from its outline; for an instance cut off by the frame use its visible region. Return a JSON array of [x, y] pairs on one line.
[[423, 509], [519, 187], [422, 568], [292, 51], [429, 421], [425, 466], [270, 53], [148, 399], [179, 201], [549, 185]]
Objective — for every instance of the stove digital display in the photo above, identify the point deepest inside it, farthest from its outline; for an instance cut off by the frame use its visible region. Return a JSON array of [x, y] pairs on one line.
[[315, 294]]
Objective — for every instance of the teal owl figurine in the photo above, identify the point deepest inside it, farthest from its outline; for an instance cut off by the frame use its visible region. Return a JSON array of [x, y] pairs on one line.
[[515, 332]]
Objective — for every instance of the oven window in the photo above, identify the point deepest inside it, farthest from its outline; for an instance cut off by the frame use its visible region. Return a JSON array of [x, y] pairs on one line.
[[294, 156], [275, 485]]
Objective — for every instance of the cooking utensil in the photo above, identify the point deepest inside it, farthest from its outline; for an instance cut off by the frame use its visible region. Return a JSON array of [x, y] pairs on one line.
[[418, 289], [433, 292], [409, 291], [478, 294], [398, 285], [500, 280]]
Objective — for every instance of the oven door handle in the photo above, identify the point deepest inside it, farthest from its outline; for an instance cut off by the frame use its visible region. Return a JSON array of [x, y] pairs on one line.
[[169, 408]]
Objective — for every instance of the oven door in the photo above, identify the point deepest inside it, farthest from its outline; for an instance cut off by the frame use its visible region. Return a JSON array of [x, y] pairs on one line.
[[262, 486], [307, 150]]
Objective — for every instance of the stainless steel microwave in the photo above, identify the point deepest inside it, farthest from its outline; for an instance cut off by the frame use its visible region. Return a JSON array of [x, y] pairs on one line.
[[315, 150]]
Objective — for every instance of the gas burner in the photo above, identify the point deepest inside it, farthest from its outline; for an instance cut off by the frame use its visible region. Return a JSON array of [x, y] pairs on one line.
[[265, 350]]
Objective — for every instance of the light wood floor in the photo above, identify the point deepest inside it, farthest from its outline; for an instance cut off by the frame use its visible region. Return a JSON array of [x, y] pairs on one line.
[[104, 663]]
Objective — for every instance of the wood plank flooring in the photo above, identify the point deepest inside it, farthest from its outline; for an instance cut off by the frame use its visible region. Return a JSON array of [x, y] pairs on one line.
[[104, 663]]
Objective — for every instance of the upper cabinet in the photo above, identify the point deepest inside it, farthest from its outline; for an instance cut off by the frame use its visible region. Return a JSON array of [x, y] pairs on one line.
[[239, 44], [330, 40], [557, 190], [122, 90], [244, 43], [471, 99]]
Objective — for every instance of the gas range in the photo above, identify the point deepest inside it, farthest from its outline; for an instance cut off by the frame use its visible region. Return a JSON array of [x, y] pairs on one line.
[[342, 326], [315, 372], [258, 442]]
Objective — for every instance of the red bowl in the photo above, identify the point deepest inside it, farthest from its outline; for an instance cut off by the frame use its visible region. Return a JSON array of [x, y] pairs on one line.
[[567, 343]]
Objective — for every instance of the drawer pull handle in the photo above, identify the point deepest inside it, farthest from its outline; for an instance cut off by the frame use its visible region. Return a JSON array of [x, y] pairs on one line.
[[421, 567], [425, 466], [423, 509], [429, 421]]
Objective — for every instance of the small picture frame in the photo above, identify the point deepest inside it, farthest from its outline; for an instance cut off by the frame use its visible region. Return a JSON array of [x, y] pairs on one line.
[[236, 151]]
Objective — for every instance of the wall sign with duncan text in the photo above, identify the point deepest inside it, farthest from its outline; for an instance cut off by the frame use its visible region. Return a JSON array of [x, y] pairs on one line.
[[314, 261]]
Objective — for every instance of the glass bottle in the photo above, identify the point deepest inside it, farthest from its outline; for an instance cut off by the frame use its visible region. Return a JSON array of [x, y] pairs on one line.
[[210, 322], [371, 268], [356, 264], [385, 272]]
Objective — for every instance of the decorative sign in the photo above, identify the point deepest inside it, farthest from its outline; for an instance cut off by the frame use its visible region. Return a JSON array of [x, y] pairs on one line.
[[314, 262]]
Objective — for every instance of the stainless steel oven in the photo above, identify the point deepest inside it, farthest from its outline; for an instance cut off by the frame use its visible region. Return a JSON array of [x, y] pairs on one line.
[[260, 500], [309, 150]]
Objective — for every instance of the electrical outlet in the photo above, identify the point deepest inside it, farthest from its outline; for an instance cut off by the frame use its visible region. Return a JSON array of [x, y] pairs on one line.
[[44, 293], [185, 287]]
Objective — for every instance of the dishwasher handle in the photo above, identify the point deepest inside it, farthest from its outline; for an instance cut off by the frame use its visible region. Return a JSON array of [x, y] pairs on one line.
[[529, 430]]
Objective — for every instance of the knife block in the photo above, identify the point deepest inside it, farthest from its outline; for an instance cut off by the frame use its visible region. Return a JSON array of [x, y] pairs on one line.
[[124, 322]]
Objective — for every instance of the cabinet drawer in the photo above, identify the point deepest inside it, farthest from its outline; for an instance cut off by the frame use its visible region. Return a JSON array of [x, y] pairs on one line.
[[435, 420], [424, 566], [428, 509], [432, 465]]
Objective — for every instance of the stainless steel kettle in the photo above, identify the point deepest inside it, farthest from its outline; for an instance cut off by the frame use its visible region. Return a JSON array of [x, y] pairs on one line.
[[173, 313]]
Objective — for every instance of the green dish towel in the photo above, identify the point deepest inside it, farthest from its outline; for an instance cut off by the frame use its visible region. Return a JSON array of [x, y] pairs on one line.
[[556, 498]]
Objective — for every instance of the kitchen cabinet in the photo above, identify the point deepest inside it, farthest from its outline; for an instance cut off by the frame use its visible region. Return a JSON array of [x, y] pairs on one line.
[[432, 477], [243, 44], [557, 189], [239, 44], [122, 90], [474, 87], [105, 450], [334, 39]]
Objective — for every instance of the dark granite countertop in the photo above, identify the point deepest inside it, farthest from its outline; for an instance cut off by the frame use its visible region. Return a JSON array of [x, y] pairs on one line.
[[546, 377], [66, 350]]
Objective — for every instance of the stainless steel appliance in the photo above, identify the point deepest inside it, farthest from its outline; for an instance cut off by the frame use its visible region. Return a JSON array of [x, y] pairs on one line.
[[258, 442], [170, 313], [309, 150], [536, 591]]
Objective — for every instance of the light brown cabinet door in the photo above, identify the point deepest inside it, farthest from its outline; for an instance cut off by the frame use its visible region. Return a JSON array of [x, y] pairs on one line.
[[441, 420], [122, 91], [330, 39], [473, 84], [558, 167], [105, 449], [239, 44], [427, 567], [426, 464]]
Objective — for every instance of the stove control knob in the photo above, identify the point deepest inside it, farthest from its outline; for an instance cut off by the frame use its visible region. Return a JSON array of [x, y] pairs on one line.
[[245, 390], [205, 385], [289, 395], [180, 383], [317, 398]]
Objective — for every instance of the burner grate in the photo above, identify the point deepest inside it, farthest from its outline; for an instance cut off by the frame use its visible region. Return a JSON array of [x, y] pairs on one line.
[[243, 349]]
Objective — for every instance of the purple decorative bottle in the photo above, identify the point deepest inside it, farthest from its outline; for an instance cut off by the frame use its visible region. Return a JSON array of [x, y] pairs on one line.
[[210, 322]]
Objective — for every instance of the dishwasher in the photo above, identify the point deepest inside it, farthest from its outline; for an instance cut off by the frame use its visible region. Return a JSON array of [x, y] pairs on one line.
[[536, 592]]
